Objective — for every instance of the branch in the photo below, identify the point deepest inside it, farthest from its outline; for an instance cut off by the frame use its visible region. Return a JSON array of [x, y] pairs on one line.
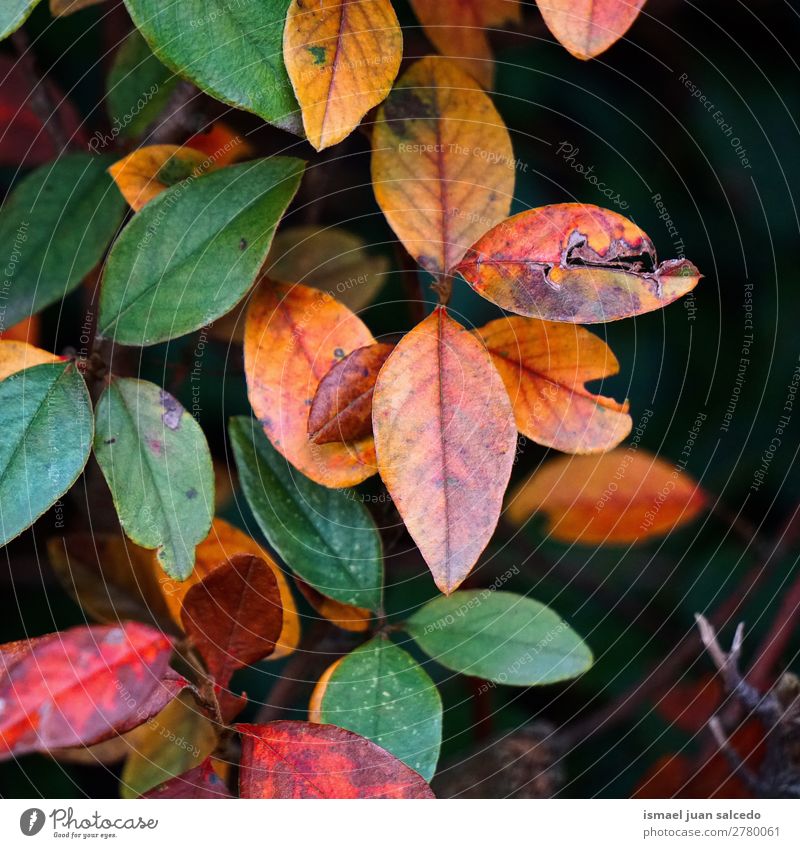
[[774, 645], [176, 119]]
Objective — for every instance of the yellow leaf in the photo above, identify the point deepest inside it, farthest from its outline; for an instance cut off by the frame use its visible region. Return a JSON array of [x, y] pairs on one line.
[[342, 57], [442, 163], [15, 356]]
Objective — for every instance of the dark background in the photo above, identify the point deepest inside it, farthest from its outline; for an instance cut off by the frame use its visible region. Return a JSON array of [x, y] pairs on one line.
[[633, 119]]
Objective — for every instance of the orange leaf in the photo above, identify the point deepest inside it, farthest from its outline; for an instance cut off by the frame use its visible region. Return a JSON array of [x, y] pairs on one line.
[[588, 27], [145, 173], [573, 262], [223, 543], [15, 356], [220, 144], [342, 407], [293, 337], [445, 440], [442, 163], [615, 498], [26, 330], [456, 28], [544, 366], [354, 619], [342, 57], [315, 702]]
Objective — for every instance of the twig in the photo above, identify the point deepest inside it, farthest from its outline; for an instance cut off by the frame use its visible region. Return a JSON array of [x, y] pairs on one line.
[[41, 101], [411, 284], [176, 119], [772, 648]]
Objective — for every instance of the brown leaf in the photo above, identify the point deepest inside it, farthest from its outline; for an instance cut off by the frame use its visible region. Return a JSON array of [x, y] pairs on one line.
[[342, 57], [544, 366], [573, 262], [457, 29], [234, 615], [298, 759], [294, 335], [445, 441], [342, 407], [67, 7], [618, 497], [589, 27], [442, 163]]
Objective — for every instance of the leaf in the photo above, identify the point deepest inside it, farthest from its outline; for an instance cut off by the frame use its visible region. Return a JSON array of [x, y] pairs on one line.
[[201, 782], [380, 692], [13, 15], [326, 536], [220, 144], [231, 51], [145, 173], [342, 407], [193, 252], [544, 366], [156, 462], [46, 422], [17, 356], [297, 759], [442, 163], [342, 57], [81, 686], [589, 27], [619, 497], [457, 29], [445, 440], [67, 7], [221, 545], [500, 636], [345, 616], [293, 337], [110, 578], [573, 262], [234, 615], [169, 744], [138, 88], [56, 225]]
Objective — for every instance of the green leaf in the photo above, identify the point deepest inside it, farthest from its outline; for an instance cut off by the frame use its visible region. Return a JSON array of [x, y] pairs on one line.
[[326, 536], [137, 89], [501, 637], [13, 14], [194, 251], [380, 692], [54, 229], [46, 425], [229, 48], [156, 461]]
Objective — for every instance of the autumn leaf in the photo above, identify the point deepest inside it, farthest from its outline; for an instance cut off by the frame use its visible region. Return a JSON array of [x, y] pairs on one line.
[[442, 163], [619, 497], [293, 337], [342, 407], [67, 7], [573, 262], [167, 745], [346, 616], [544, 366], [220, 144], [342, 57], [220, 546], [157, 464], [145, 173], [17, 356], [589, 27], [445, 440], [234, 615], [81, 686], [297, 759], [457, 29], [201, 782]]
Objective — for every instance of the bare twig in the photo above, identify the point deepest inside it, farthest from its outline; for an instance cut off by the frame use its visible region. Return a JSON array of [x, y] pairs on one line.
[[176, 120]]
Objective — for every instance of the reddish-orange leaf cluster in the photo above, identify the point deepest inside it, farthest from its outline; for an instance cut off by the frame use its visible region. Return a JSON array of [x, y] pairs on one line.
[[297, 759], [200, 782], [82, 686], [234, 616]]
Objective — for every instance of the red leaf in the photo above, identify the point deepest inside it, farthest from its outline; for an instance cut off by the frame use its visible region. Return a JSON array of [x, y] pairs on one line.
[[298, 759], [82, 686], [342, 407], [200, 782], [235, 615]]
